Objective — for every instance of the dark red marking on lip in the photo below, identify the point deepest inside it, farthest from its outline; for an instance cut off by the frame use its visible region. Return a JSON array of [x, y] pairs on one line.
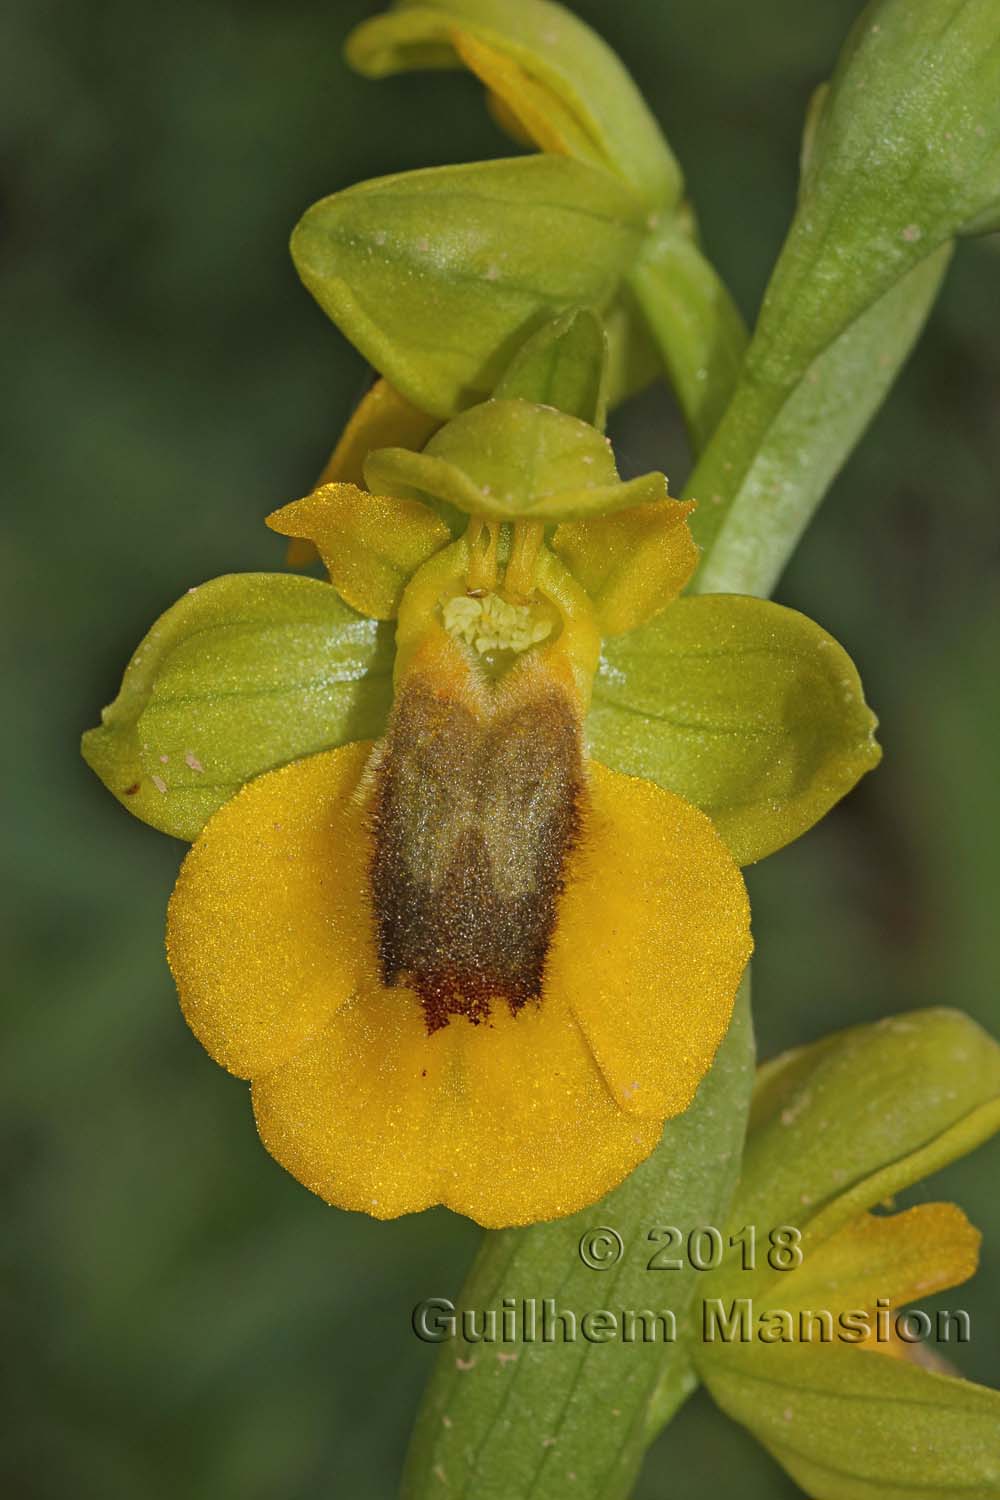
[[472, 820]]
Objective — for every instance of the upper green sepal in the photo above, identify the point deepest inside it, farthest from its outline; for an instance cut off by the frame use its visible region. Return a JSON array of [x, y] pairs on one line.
[[558, 80], [565, 365], [238, 677], [749, 710], [514, 460], [438, 276]]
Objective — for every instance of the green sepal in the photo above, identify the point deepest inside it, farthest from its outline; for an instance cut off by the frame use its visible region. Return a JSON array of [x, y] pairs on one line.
[[558, 1398], [514, 460], [438, 276], [238, 677], [563, 365], [850, 1424], [698, 329], [577, 80], [843, 1124], [749, 710]]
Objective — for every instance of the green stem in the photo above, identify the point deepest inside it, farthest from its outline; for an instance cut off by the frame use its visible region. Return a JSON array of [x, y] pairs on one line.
[[694, 322]]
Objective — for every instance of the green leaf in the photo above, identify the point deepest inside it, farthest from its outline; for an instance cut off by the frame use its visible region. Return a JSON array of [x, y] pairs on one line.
[[755, 507], [564, 365], [745, 708], [845, 1123], [510, 460], [697, 326], [850, 1424], [439, 276], [569, 77], [243, 674], [573, 1418]]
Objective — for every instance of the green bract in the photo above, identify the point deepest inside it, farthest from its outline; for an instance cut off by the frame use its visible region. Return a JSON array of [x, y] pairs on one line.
[[853, 1425], [749, 710], [835, 1129], [568, 78], [557, 86], [902, 154], [439, 276], [238, 677], [513, 459]]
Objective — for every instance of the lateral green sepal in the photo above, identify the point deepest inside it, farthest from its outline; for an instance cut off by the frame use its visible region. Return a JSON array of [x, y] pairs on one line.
[[438, 276], [238, 677], [749, 710]]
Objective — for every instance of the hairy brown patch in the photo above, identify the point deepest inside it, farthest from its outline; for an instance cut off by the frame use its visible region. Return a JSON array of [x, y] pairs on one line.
[[472, 820]]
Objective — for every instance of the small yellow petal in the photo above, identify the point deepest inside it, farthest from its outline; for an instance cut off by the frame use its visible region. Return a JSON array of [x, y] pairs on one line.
[[632, 564], [653, 935], [896, 1256], [383, 418], [370, 544], [535, 113], [269, 917]]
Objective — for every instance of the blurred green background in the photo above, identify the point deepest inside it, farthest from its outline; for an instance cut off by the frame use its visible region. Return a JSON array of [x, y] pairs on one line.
[[180, 1318]]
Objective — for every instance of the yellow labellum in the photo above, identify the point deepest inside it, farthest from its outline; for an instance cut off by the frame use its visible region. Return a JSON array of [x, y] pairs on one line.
[[530, 1115]]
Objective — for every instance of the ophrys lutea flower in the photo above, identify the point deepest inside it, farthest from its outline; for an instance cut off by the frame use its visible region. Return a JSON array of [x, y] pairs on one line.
[[465, 964], [462, 961]]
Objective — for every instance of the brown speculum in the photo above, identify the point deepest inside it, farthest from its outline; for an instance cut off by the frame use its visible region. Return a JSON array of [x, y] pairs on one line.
[[474, 814]]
